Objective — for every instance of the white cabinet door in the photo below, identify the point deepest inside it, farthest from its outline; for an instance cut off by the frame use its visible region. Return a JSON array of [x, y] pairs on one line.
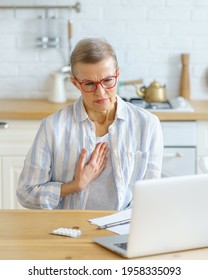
[[11, 168], [179, 133], [179, 161], [15, 141], [202, 147], [202, 138], [179, 148]]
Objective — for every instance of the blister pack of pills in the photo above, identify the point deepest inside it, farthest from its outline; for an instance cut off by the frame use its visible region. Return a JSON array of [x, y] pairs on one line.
[[71, 232]]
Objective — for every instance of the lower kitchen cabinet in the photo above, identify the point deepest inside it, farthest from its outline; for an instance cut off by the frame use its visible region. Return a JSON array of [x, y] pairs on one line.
[[202, 147], [180, 148], [186, 143], [15, 140], [11, 168], [179, 161]]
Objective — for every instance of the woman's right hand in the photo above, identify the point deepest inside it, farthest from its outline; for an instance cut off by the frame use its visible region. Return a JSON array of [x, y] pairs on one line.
[[86, 172]]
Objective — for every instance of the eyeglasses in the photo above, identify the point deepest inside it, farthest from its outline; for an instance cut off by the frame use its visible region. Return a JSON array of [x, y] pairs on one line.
[[90, 86]]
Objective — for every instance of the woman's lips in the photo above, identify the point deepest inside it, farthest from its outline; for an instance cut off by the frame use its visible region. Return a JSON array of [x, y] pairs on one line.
[[101, 101]]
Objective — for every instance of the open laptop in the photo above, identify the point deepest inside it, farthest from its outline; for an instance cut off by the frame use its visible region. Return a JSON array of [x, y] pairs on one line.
[[168, 214]]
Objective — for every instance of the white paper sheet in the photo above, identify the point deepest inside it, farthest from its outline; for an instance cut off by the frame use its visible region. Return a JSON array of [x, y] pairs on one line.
[[119, 216]]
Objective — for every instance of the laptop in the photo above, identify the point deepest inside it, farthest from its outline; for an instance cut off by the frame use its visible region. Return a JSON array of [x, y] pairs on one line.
[[168, 215]]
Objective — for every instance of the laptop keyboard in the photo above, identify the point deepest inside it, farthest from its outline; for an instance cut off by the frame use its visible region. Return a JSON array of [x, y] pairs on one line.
[[122, 245]]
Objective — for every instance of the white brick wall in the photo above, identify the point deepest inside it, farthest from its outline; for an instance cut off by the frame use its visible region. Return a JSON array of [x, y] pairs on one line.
[[148, 35]]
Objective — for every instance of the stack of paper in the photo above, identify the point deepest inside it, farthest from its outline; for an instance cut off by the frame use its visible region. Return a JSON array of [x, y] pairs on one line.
[[115, 218]]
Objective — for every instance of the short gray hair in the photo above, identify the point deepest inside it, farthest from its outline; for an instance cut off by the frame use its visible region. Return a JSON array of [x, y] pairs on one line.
[[91, 51]]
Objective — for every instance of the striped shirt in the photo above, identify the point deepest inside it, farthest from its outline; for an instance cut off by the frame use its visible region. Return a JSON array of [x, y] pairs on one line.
[[136, 148]]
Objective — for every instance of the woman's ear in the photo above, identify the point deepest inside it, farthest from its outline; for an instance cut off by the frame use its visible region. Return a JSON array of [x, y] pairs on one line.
[[118, 72], [74, 82]]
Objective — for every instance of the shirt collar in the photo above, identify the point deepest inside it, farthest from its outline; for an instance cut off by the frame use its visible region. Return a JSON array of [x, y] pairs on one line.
[[79, 110], [121, 112]]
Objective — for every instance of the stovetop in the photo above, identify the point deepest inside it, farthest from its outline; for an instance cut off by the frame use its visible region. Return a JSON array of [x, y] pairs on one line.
[[178, 104], [151, 105]]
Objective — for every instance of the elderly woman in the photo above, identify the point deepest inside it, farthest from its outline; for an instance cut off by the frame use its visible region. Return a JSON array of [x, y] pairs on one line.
[[90, 154]]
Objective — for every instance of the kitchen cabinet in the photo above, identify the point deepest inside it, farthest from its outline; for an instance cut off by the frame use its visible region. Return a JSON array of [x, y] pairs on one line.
[[180, 149], [179, 161], [202, 144], [15, 140], [11, 168], [184, 141]]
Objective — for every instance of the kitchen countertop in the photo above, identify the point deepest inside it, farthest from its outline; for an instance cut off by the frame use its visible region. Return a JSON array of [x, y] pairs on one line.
[[36, 109], [200, 112]]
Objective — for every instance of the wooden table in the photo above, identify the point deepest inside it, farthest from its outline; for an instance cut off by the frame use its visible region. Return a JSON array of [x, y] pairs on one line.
[[25, 235]]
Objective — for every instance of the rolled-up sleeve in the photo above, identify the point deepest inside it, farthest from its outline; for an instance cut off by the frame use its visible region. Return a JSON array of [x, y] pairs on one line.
[[35, 188]]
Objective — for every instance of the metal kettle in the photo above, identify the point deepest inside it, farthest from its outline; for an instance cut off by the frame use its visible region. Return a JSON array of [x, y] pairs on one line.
[[154, 93]]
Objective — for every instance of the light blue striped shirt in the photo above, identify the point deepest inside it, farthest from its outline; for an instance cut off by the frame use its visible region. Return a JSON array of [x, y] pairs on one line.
[[136, 148]]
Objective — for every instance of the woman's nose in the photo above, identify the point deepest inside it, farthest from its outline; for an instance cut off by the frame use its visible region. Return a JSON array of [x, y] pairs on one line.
[[99, 90]]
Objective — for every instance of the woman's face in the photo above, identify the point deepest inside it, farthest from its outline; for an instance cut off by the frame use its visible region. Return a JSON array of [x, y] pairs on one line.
[[101, 99]]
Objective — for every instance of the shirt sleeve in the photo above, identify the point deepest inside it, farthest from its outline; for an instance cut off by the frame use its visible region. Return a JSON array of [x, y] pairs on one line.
[[35, 189]]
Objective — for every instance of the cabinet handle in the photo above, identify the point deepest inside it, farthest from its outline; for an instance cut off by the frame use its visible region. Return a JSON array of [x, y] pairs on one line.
[[3, 125], [173, 155]]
